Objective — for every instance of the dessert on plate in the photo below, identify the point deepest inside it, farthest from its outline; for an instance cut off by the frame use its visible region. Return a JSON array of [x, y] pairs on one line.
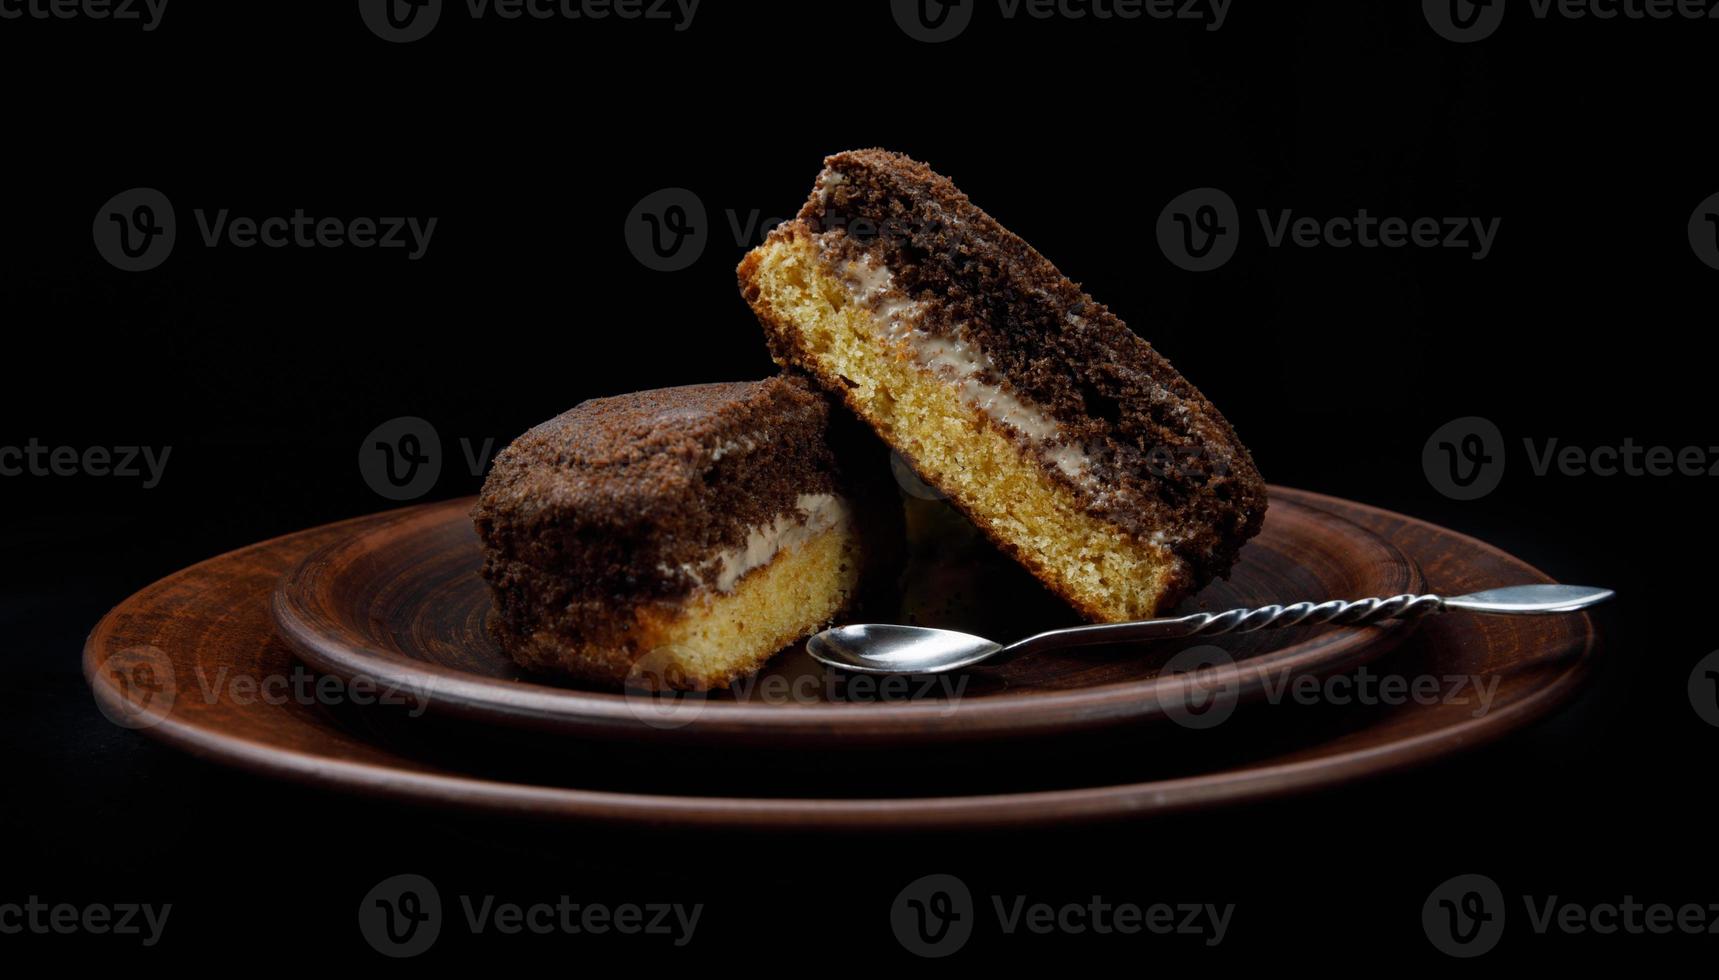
[[1065, 437], [677, 537]]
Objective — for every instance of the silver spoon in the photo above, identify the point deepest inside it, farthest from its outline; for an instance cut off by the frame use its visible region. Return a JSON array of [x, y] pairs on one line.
[[880, 649]]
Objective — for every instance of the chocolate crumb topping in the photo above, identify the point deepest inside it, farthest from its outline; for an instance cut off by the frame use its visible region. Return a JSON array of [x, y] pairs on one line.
[[622, 500]]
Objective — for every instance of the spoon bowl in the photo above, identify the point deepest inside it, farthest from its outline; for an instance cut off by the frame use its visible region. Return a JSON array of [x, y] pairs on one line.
[[872, 648]]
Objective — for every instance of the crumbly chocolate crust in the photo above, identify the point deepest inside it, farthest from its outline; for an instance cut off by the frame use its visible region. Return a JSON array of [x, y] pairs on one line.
[[1163, 463], [597, 512]]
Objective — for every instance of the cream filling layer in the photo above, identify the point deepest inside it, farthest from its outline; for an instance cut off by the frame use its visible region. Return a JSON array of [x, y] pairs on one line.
[[872, 285], [813, 514]]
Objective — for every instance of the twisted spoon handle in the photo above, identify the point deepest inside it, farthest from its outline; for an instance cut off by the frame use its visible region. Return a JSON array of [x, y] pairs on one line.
[[1516, 600], [1358, 612]]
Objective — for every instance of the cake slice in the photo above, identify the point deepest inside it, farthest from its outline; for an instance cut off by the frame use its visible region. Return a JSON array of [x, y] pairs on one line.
[[1067, 439], [675, 538]]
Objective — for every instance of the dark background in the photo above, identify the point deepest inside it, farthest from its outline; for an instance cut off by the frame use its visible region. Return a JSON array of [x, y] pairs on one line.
[[530, 142]]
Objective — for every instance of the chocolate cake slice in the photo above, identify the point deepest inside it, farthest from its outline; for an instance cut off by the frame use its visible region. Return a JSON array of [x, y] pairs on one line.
[[677, 537], [1065, 437]]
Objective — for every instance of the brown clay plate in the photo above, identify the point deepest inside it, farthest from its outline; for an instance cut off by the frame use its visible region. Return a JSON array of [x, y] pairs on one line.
[[195, 660], [397, 602]]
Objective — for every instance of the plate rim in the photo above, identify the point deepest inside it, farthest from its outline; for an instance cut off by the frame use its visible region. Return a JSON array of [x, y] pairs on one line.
[[546, 708], [993, 811]]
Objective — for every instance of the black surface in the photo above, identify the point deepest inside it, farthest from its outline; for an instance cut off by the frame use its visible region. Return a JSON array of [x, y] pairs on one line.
[[530, 142]]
